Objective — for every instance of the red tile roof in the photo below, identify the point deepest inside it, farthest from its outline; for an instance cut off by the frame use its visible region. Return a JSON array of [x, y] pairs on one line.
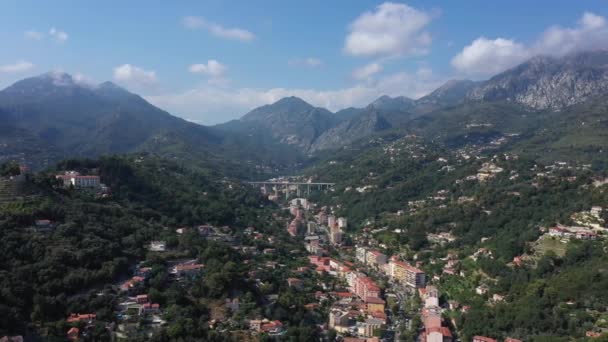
[[374, 300], [78, 317], [483, 339]]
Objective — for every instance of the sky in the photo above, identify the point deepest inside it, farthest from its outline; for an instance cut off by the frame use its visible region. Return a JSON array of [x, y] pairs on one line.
[[213, 61]]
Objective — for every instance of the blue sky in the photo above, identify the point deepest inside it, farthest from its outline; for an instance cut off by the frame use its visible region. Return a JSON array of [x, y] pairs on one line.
[[212, 61]]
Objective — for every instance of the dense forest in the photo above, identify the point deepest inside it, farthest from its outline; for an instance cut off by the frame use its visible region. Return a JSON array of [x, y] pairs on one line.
[[94, 241]]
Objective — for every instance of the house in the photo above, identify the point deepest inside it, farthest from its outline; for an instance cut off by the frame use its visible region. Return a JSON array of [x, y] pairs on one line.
[[431, 297], [272, 328], [375, 258], [407, 274], [131, 284], [295, 283], [183, 270], [361, 254], [379, 315], [374, 304], [586, 235], [268, 251], [149, 308], [557, 232], [357, 339], [498, 298], [73, 178], [483, 339], [482, 290], [73, 318], [157, 246], [517, 260], [365, 287], [255, 324], [369, 327], [141, 299], [73, 334], [338, 318], [437, 334]]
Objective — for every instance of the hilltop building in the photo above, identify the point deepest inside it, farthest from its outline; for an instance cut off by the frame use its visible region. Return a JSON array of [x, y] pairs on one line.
[[75, 179]]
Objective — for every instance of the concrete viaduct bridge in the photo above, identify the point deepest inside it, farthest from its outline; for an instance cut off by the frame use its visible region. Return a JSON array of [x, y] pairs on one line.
[[286, 187]]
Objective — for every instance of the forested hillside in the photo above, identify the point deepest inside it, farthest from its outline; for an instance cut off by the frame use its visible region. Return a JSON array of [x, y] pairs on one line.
[[94, 241]]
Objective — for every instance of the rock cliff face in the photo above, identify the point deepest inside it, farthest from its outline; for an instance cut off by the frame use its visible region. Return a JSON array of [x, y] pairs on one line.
[[549, 83]]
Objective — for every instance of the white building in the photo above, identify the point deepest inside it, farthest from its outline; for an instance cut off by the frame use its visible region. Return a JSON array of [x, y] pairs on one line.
[[361, 254], [157, 246], [75, 179], [331, 221]]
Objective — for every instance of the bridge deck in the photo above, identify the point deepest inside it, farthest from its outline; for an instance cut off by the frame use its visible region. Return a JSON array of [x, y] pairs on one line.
[[290, 183]]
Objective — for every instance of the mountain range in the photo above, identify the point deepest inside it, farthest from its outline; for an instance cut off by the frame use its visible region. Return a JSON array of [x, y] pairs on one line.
[[54, 116]]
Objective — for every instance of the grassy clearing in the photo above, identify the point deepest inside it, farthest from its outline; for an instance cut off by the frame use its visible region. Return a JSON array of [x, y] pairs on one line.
[[547, 243]]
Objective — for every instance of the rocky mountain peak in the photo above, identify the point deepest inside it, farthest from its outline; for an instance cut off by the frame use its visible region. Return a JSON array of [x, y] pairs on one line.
[[549, 83]]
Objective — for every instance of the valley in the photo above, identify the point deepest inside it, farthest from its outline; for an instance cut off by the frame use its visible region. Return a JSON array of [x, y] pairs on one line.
[[475, 213]]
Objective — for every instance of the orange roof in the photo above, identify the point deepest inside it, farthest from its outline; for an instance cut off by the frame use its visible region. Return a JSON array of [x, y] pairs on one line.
[[484, 339], [374, 300], [408, 266], [78, 317]]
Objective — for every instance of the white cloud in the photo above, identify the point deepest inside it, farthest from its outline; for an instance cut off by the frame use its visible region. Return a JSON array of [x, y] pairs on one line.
[[484, 57], [217, 30], [135, 77], [591, 32], [213, 68], [33, 35], [367, 71], [17, 67], [310, 62], [58, 35], [210, 105], [392, 29]]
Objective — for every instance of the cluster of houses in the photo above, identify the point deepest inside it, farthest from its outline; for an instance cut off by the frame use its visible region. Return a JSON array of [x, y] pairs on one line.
[[74, 319], [395, 269], [359, 311], [565, 232], [325, 229], [136, 303], [434, 330]]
